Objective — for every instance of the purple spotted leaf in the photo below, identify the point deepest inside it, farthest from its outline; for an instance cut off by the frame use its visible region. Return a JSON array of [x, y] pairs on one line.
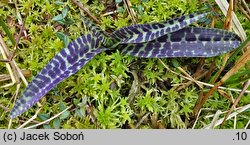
[[65, 63], [156, 40], [187, 42], [147, 32]]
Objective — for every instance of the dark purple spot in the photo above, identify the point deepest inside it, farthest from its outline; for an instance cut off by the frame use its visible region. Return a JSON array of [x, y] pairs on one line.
[[99, 38], [72, 59], [157, 45], [79, 40], [72, 47], [196, 31], [22, 101], [216, 38], [90, 55], [181, 18], [170, 53], [39, 83], [136, 31], [44, 71], [63, 66], [89, 37], [178, 53], [81, 62], [175, 38], [67, 72], [135, 51], [166, 46], [57, 71], [63, 52], [185, 30], [148, 47], [163, 38], [139, 38], [147, 26], [175, 28], [156, 50], [204, 38], [124, 49], [121, 31], [157, 34], [128, 31], [93, 43], [44, 78], [148, 35], [171, 22], [59, 58], [84, 41], [183, 24], [121, 35], [163, 50], [160, 25], [27, 94], [33, 88], [154, 26], [61, 61], [152, 37], [191, 16], [168, 29], [190, 37], [142, 54], [48, 66], [226, 38], [162, 32], [52, 74], [83, 50], [55, 63], [144, 29], [189, 54], [17, 104]]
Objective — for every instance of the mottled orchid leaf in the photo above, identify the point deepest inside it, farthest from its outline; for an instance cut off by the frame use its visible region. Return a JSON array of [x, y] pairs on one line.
[[97, 31], [156, 40], [147, 32], [187, 42], [65, 63]]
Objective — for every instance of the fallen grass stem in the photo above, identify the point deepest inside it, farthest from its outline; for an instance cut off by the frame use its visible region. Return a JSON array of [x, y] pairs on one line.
[[203, 83], [48, 120]]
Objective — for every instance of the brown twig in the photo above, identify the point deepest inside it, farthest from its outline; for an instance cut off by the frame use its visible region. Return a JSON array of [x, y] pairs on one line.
[[210, 71], [229, 16], [241, 62], [221, 69], [244, 12], [142, 119], [86, 11], [237, 111], [4, 108], [5, 54], [246, 85], [205, 84], [201, 74], [131, 12], [18, 39], [5, 77], [246, 6]]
